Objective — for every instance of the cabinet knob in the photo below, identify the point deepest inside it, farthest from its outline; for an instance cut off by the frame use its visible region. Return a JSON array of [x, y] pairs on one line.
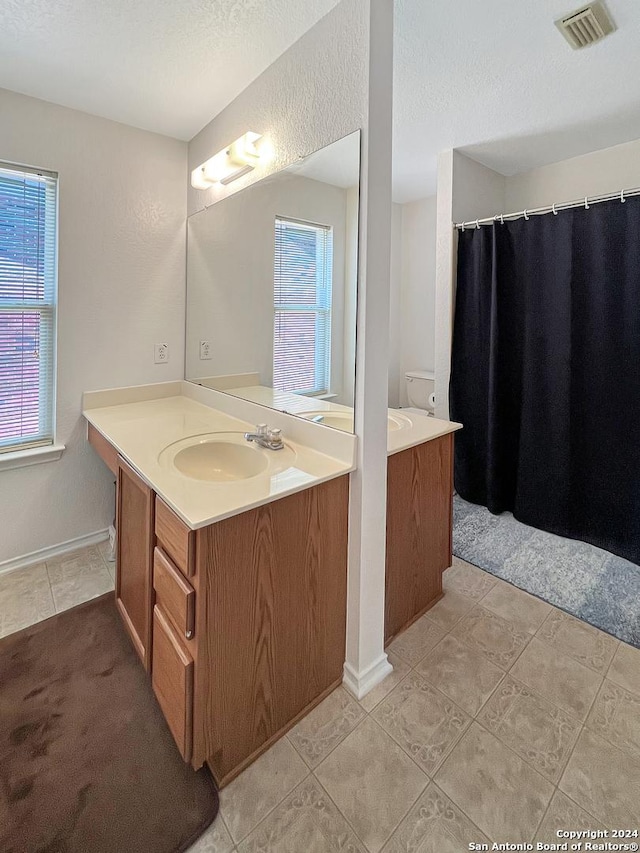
[[188, 634]]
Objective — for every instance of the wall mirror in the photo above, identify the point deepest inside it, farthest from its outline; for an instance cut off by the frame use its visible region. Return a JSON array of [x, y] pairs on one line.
[[271, 288]]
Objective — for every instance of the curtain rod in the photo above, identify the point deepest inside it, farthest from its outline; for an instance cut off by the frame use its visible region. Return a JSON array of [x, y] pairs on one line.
[[549, 208]]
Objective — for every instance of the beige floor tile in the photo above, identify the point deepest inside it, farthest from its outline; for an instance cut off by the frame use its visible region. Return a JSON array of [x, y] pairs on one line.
[[69, 565], [23, 579], [496, 638], [558, 678], [450, 609], [525, 611], [625, 668], [414, 643], [501, 794], [262, 786], [468, 580], [462, 673], [306, 822], [78, 576], [423, 721], [372, 781], [604, 781], [375, 696], [105, 551], [615, 716], [25, 598], [538, 731], [563, 813], [434, 825], [215, 839], [588, 645], [88, 583], [330, 722]]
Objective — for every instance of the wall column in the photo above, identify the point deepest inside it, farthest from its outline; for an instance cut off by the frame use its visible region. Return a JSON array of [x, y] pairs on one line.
[[366, 662]]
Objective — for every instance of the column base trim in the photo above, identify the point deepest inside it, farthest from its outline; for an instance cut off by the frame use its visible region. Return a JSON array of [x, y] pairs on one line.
[[361, 683]]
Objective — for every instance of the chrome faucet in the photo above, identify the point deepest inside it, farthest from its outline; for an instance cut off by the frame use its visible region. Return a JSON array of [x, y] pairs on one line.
[[271, 439]]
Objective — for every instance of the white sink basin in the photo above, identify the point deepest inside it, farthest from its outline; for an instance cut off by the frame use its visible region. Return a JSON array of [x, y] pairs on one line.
[[219, 461], [344, 420], [224, 457]]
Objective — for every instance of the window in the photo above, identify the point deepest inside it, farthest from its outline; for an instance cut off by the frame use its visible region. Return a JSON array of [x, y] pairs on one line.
[[27, 307], [302, 304]]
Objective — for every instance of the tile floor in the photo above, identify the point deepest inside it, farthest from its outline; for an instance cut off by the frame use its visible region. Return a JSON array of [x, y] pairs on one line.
[[504, 719], [42, 590]]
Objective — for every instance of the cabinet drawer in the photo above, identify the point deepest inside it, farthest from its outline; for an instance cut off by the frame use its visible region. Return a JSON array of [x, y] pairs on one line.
[[174, 595], [175, 538], [172, 680]]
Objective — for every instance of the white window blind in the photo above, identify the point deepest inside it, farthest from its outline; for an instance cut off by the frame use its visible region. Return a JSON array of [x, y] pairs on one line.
[[28, 209], [302, 303]]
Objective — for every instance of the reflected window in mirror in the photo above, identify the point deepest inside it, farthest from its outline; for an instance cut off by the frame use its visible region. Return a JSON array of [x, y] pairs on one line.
[[303, 272]]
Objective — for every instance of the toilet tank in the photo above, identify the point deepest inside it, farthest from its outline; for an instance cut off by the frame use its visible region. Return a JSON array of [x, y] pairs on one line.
[[420, 388]]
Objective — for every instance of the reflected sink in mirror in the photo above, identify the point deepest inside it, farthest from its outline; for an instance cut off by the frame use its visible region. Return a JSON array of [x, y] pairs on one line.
[[344, 420], [224, 457]]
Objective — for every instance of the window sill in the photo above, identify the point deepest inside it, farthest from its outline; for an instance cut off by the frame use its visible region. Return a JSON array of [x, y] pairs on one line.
[[34, 456]]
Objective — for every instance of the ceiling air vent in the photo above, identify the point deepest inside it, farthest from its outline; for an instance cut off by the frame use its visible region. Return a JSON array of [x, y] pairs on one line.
[[586, 26]]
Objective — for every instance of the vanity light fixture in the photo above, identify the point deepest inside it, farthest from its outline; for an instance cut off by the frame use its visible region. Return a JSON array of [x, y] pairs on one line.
[[231, 163]]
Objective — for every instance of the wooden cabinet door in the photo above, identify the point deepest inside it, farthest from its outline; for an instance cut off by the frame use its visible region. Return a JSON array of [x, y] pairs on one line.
[[134, 557], [419, 518], [172, 680]]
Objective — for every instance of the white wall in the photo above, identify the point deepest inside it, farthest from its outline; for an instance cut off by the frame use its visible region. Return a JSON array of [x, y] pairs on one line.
[[335, 79], [122, 207], [395, 313], [601, 172], [314, 94], [466, 190], [418, 292]]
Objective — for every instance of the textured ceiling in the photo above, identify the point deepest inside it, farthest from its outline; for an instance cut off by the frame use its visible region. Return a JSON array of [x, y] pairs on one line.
[[493, 77], [497, 79], [164, 65]]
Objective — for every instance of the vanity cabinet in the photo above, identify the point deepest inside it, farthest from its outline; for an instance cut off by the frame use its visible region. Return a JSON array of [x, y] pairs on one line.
[[134, 555], [241, 624], [419, 525]]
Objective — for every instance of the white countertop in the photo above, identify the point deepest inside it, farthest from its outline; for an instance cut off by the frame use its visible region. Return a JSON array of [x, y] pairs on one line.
[[141, 421], [414, 428], [140, 431]]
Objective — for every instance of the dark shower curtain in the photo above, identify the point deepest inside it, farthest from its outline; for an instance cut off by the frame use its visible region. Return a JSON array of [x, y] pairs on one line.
[[546, 372]]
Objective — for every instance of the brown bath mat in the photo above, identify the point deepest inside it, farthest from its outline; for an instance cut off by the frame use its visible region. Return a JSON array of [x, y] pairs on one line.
[[87, 764]]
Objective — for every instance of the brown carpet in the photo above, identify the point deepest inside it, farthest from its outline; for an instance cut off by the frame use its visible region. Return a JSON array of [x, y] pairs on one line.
[[87, 763]]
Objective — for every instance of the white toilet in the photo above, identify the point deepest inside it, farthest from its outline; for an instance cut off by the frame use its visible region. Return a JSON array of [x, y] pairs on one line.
[[420, 391]]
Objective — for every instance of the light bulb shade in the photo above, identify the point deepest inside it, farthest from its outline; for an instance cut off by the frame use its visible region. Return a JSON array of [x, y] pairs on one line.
[[245, 151], [240, 157]]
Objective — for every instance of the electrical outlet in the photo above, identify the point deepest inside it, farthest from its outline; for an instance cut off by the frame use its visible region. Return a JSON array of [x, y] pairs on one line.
[[205, 350], [161, 353]]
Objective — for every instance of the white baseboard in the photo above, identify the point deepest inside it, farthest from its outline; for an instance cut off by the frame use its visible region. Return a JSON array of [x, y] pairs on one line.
[[361, 683], [54, 551]]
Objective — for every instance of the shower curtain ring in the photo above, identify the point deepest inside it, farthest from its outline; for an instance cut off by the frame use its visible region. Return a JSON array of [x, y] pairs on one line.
[[463, 227], [525, 216], [586, 205], [478, 224], [622, 198], [502, 219], [553, 208]]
